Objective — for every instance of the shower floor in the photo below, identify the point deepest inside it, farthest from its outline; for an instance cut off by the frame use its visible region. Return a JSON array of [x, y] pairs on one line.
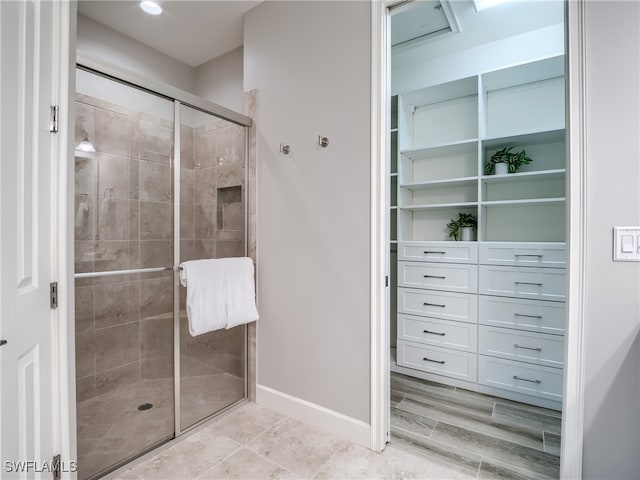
[[112, 428]]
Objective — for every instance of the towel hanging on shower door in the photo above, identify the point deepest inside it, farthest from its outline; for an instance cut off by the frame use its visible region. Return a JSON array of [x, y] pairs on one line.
[[220, 293]]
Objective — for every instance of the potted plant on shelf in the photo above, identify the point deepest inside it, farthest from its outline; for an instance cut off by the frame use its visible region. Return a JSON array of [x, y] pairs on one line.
[[462, 228], [504, 161]]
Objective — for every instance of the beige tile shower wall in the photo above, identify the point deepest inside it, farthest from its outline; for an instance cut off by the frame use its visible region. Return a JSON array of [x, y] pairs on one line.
[[124, 215], [219, 176], [212, 214], [123, 220], [250, 108]]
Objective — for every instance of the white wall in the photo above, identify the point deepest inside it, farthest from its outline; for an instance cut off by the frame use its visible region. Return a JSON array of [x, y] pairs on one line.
[[220, 80], [526, 47], [103, 43], [612, 398], [310, 62]]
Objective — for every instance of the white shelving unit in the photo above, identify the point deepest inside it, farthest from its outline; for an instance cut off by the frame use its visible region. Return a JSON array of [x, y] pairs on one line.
[[445, 135], [393, 220]]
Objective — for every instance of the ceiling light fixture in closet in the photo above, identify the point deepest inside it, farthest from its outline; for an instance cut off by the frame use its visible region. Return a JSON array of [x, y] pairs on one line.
[[484, 4], [150, 7]]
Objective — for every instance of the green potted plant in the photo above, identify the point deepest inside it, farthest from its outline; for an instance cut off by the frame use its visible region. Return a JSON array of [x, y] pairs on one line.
[[462, 228], [504, 161]]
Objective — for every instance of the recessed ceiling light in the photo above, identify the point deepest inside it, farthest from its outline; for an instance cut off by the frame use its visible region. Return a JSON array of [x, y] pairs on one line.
[[151, 7]]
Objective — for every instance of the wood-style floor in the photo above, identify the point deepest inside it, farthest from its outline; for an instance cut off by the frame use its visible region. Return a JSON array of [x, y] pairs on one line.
[[475, 435]]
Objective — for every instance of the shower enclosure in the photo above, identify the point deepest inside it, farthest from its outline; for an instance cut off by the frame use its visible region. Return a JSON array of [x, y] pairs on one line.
[[160, 178]]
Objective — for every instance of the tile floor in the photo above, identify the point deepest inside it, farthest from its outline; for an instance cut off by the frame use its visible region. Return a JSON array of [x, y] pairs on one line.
[[253, 442], [438, 432]]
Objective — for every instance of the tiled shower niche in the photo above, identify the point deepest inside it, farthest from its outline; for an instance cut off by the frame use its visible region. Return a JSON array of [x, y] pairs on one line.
[[124, 323]]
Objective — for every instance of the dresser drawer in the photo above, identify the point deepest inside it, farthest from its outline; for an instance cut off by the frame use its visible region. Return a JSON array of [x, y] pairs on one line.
[[449, 252], [441, 361], [524, 254], [438, 276], [460, 307], [523, 282], [532, 315], [533, 380], [538, 348], [441, 333]]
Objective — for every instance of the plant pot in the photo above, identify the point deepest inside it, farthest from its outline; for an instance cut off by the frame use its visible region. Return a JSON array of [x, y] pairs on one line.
[[466, 234], [501, 169]]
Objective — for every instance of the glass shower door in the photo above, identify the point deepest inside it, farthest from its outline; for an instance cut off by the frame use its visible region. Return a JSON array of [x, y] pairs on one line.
[[124, 284], [212, 225]]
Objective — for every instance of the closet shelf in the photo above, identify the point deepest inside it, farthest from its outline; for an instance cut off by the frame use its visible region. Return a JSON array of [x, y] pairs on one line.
[[439, 183], [525, 139], [438, 206], [424, 152], [542, 175], [524, 202]]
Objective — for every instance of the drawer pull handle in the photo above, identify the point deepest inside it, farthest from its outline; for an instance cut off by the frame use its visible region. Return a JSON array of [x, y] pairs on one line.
[[515, 377], [441, 362], [434, 276], [536, 349], [435, 253], [528, 283], [539, 317], [526, 255], [433, 305], [434, 333]]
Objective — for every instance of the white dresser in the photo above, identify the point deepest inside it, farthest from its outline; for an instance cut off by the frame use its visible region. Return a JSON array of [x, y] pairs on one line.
[[438, 308], [487, 316], [521, 316]]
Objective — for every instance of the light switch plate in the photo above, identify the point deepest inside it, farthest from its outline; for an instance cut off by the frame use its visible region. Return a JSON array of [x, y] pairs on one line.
[[626, 244]]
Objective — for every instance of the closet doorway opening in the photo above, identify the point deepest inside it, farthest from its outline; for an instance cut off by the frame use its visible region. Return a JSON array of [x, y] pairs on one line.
[[160, 178], [477, 325]]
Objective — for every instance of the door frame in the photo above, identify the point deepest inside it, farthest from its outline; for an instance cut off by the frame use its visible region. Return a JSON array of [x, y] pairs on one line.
[[62, 233], [574, 374]]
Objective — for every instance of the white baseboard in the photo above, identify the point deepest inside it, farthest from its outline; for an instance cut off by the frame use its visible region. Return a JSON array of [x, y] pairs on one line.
[[336, 423]]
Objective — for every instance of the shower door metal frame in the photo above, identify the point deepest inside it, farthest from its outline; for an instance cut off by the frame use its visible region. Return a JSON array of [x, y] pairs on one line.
[[178, 98]]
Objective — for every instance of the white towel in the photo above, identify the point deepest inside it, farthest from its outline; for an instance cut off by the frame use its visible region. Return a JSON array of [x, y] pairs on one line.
[[240, 291], [220, 293]]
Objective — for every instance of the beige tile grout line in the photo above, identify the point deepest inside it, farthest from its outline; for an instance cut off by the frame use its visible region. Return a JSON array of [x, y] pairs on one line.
[[201, 475], [261, 434], [244, 445], [328, 461]]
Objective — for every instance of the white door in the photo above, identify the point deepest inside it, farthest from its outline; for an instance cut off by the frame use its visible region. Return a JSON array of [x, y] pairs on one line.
[[26, 361]]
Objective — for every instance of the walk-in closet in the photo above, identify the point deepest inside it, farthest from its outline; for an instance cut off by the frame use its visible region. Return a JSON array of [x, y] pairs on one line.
[[477, 220]]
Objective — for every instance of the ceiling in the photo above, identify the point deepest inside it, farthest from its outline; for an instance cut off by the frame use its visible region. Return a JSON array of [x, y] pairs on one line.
[[420, 20], [196, 31], [476, 28], [192, 32]]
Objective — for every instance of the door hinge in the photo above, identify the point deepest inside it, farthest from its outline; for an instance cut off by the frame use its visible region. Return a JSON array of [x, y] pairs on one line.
[[53, 127], [53, 294], [56, 467], [386, 281]]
